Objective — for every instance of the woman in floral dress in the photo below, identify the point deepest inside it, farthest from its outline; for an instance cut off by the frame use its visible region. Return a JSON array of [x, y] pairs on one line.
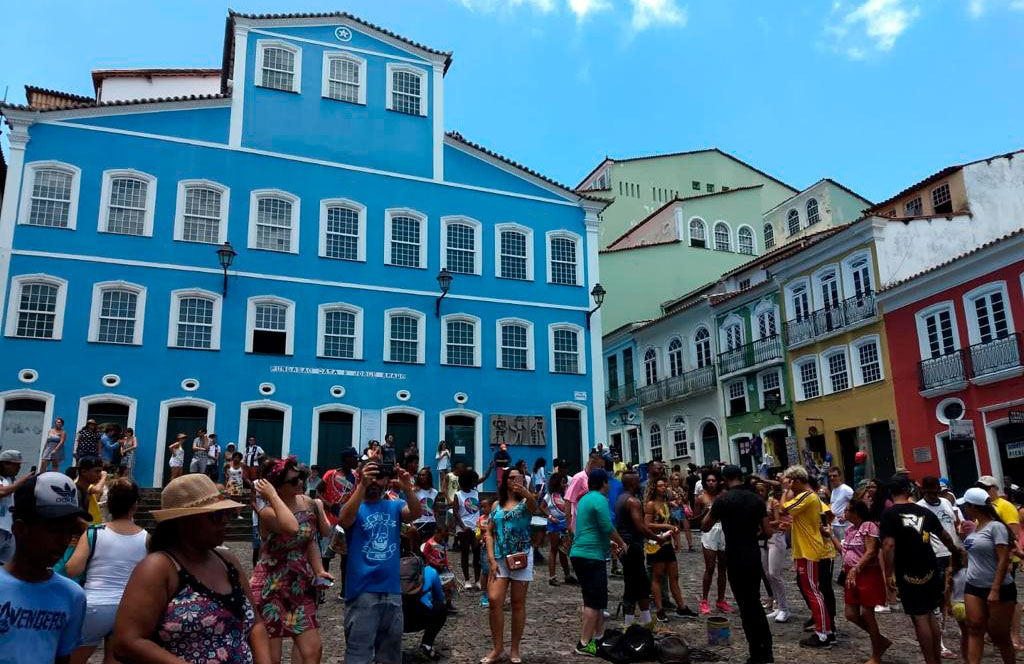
[[283, 579]]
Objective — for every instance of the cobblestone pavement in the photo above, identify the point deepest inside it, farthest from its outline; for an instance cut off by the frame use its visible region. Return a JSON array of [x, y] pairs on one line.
[[552, 626]]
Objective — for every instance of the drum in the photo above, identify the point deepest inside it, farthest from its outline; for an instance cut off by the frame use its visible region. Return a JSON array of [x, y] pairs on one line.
[[450, 585], [339, 543]]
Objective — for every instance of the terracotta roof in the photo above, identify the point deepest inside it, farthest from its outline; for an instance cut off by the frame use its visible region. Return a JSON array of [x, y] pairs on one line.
[[229, 34], [632, 325], [786, 250], [980, 247], [678, 199], [948, 170], [836, 183], [668, 314], [669, 304], [99, 74], [29, 89], [456, 136], [659, 243], [118, 102]]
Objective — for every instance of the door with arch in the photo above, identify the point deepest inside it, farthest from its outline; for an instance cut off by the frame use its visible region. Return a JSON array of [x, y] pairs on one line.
[[334, 435], [182, 419], [405, 427], [108, 412], [267, 426], [23, 426], [569, 430], [460, 436], [709, 441]]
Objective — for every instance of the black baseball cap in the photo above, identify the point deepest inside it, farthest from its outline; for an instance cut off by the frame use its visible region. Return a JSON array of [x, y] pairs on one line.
[[48, 496], [732, 472]]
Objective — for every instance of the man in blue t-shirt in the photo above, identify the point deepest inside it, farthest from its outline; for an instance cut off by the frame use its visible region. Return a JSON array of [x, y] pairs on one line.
[[41, 612], [373, 590]]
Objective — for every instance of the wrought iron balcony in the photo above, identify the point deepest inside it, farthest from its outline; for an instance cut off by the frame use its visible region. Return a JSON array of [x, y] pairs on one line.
[[831, 319], [977, 362], [678, 387], [942, 371], [749, 355], [620, 395], [995, 356]]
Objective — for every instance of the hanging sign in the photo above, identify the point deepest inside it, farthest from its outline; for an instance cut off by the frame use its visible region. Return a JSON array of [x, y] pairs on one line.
[[1016, 416], [1015, 450], [961, 429]]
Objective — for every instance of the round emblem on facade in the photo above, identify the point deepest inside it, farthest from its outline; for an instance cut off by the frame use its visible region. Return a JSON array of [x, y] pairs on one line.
[[266, 389], [111, 380], [461, 398], [28, 375], [403, 395], [343, 34], [190, 384], [337, 391]]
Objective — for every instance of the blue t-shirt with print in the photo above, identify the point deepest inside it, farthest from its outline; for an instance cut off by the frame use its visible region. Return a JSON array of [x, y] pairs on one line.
[[373, 551], [39, 621]]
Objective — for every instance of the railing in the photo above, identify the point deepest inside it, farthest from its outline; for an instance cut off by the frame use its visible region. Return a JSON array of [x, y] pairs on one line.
[[620, 395], [942, 370], [995, 356], [749, 355], [677, 387], [831, 319]]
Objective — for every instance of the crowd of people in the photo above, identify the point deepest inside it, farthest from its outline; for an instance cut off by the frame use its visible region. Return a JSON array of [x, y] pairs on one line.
[[80, 572]]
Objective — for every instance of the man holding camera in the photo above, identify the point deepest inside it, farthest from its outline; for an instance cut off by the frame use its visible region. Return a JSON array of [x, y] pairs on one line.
[[373, 593]]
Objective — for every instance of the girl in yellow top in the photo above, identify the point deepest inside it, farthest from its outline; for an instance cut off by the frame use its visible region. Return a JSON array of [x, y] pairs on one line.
[[809, 548]]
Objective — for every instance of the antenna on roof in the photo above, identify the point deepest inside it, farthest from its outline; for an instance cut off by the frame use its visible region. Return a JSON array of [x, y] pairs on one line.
[[6, 88]]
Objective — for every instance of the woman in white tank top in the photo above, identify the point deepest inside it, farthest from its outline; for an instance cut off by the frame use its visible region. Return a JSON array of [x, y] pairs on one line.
[[107, 555]]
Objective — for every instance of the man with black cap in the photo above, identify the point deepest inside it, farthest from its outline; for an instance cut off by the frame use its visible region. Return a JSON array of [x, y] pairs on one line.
[[744, 516], [10, 465], [41, 612]]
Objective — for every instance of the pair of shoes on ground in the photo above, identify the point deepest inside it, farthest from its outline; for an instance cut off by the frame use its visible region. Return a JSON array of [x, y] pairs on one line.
[[721, 605], [814, 641], [778, 615], [684, 612]]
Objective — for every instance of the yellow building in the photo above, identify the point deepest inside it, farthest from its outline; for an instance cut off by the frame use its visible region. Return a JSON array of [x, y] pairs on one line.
[[837, 352]]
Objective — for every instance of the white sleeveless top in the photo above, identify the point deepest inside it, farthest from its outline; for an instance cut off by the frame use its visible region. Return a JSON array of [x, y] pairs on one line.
[[113, 561]]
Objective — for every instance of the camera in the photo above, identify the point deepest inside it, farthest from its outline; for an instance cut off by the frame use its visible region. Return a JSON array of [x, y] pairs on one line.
[[387, 463]]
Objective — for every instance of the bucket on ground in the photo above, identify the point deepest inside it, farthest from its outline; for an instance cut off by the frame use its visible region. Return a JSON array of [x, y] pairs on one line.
[[719, 632]]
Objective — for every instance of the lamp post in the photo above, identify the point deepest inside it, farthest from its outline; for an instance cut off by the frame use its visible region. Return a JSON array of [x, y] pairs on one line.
[[598, 294], [444, 280], [226, 255]]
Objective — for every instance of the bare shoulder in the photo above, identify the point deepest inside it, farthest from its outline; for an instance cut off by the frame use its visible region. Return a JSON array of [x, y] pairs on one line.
[[230, 558]]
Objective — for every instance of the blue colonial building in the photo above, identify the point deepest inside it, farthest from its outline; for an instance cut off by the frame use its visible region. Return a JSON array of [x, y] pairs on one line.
[[318, 153]]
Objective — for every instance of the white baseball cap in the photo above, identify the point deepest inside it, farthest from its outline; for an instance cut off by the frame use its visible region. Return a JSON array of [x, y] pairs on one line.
[[974, 496], [48, 496], [11, 456]]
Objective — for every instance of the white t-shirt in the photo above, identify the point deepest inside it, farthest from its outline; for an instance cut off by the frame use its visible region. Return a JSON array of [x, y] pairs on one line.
[[841, 496], [40, 621], [427, 497], [213, 452], [6, 503], [947, 517], [113, 560], [468, 507]]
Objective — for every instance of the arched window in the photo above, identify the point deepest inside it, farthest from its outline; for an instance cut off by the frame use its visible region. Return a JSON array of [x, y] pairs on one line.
[[675, 357], [828, 285], [651, 366], [698, 234], [722, 240], [655, 442], [679, 435], [746, 240], [766, 324], [733, 335], [769, 236], [793, 221], [702, 347], [812, 212], [860, 272], [800, 303]]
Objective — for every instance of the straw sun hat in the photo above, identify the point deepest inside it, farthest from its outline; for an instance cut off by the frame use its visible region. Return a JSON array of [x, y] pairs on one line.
[[191, 494]]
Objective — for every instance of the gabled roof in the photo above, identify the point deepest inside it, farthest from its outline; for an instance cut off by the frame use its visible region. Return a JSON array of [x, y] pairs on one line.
[[69, 97], [118, 102], [98, 75], [680, 303], [229, 35], [786, 250], [679, 154], [834, 182]]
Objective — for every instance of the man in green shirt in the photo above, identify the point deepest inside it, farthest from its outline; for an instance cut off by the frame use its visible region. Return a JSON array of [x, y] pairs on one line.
[[595, 538]]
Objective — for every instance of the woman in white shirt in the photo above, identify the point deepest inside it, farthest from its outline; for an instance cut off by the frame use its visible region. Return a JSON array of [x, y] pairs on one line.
[[108, 555], [444, 462]]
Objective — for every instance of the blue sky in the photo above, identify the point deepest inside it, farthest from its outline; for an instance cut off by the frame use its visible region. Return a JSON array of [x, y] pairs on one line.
[[873, 93]]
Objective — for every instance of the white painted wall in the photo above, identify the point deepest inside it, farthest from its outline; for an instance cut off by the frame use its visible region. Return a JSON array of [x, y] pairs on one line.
[[118, 88]]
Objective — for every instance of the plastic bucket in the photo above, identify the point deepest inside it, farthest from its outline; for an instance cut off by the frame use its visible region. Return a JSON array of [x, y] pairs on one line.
[[719, 632]]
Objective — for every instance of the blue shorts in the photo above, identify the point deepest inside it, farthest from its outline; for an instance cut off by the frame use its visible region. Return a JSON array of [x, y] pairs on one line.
[[98, 624]]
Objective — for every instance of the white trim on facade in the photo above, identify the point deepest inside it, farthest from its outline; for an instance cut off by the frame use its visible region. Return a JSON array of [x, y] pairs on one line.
[[581, 366], [28, 184], [255, 196], [314, 444], [325, 76], [920, 320], [47, 398], [161, 433], [530, 342], [408, 410], [798, 389], [97, 305], [250, 320], [321, 329], [567, 235], [397, 67], [173, 319], [857, 370], [389, 215], [17, 283], [753, 240], [286, 431], [759, 385], [360, 211], [518, 228], [478, 432], [238, 81], [179, 208], [102, 224], [421, 332], [728, 235], [973, 329], [584, 429], [478, 232], [477, 343], [262, 45], [86, 401], [825, 370]]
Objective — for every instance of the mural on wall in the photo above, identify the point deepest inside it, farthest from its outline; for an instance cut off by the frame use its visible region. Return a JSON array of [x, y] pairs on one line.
[[519, 430]]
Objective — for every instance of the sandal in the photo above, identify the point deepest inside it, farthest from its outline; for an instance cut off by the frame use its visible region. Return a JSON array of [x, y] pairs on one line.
[[493, 660]]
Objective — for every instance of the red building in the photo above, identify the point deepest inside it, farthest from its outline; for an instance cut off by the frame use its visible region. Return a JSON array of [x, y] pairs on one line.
[[955, 349]]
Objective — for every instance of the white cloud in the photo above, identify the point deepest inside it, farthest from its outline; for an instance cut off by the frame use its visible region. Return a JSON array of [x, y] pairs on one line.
[[584, 7], [872, 25], [978, 8], [543, 6], [657, 13]]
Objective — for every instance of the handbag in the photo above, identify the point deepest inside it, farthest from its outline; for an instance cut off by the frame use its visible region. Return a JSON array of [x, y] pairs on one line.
[[517, 561]]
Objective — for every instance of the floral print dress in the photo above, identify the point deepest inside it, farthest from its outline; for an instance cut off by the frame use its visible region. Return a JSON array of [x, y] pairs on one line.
[[282, 582]]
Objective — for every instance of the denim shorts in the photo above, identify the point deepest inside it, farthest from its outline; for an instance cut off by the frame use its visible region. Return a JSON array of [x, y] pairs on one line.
[[98, 624], [373, 629]]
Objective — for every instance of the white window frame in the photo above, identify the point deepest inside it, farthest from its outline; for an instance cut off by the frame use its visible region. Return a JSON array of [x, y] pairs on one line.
[[790, 298], [857, 370], [753, 240], [518, 228], [392, 68], [31, 169], [798, 389], [389, 214], [690, 235], [818, 294], [97, 306], [581, 349], [768, 231], [653, 428], [922, 326], [477, 342], [172, 321], [654, 375], [760, 386], [321, 329], [763, 307], [732, 320], [789, 226], [326, 75], [847, 271], [973, 329], [568, 235], [679, 352], [530, 345], [262, 45], [478, 233], [675, 421], [360, 210], [817, 211], [179, 209], [17, 283], [693, 347], [421, 333], [728, 235], [825, 374], [254, 198], [728, 396], [289, 320], [148, 214]]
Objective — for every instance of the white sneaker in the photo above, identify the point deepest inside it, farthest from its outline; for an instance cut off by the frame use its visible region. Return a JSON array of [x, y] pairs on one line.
[[883, 609], [780, 616], [476, 586], [468, 586]]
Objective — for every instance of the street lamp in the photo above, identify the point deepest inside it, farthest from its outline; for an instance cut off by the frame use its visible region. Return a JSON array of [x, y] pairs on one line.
[[598, 294], [226, 255], [444, 280]]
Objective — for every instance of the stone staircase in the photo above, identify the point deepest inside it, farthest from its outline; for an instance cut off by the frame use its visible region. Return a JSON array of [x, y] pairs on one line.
[[238, 530]]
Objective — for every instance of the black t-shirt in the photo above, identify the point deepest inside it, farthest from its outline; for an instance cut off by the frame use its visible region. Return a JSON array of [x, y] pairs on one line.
[[740, 511], [912, 527], [502, 458]]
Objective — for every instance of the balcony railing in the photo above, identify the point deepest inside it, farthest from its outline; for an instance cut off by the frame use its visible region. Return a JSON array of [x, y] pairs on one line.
[[620, 395], [678, 387], [977, 361], [749, 355], [831, 319]]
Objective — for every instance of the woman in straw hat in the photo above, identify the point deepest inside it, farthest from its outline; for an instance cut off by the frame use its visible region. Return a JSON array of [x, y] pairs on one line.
[[188, 598]]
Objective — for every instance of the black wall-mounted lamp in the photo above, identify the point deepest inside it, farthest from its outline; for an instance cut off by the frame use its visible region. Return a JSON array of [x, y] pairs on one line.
[[444, 280], [226, 255], [598, 294]]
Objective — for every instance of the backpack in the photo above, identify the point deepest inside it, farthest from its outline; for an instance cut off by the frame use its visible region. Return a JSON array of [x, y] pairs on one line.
[[672, 649], [636, 644], [90, 534], [411, 575]]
